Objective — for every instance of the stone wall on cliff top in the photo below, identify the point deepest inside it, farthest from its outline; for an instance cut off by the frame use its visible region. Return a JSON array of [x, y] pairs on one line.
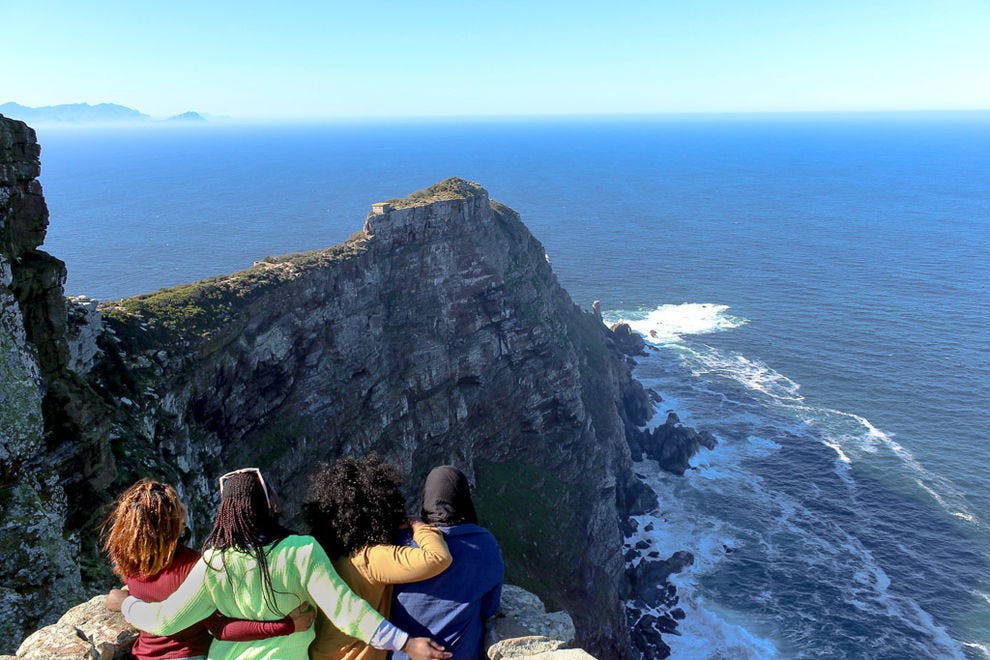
[[39, 576], [438, 334]]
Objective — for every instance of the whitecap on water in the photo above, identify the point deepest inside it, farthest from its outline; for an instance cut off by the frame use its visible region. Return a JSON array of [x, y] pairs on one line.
[[668, 323]]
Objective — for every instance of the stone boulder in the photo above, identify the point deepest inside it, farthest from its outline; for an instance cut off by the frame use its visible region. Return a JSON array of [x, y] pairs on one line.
[[524, 629], [524, 615], [536, 648], [85, 632], [648, 579], [672, 444], [627, 340]]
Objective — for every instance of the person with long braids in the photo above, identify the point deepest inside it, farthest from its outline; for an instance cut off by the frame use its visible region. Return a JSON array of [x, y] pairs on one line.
[[355, 509], [453, 606], [254, 568], [142, 536]]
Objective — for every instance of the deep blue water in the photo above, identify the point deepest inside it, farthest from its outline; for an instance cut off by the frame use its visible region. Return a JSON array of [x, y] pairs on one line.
[[842, 356]]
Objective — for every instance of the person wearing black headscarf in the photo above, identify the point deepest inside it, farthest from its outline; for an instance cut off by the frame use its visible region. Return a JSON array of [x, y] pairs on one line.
[[447, 498], [453, 606]]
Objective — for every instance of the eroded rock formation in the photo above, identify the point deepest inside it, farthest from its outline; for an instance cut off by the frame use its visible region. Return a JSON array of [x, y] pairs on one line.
[[438, 334], [39, 574]]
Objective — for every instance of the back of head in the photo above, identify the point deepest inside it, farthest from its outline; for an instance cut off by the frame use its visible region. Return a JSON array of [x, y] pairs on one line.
[[245, 520], [353, 504], [447, 497], [142, 531]]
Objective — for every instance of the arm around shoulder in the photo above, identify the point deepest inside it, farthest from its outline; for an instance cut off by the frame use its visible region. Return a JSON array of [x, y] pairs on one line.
[[190, 603], [395, 564], [328, 591]]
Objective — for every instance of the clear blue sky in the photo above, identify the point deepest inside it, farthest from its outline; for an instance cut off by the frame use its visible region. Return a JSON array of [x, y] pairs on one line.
[[300, 59]]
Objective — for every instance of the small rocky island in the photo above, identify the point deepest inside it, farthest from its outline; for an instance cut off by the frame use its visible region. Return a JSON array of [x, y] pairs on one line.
[[437, 333]]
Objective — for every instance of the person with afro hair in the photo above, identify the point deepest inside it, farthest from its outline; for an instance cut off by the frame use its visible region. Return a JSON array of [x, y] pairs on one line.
[[355, 509]]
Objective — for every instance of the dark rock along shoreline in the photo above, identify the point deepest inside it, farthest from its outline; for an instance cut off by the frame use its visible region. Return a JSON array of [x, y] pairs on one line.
[[438, 334]]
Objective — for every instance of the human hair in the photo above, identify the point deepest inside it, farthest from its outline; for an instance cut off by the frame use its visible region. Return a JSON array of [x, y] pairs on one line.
[[354, 503], [142, 531], [246, 523]]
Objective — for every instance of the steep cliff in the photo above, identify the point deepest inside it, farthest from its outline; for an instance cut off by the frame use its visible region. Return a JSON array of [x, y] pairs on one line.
[[39, 576], [438, 334]]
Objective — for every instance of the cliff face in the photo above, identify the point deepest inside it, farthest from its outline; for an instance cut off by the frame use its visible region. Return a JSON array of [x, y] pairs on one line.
[[438, 334], [39, 576]]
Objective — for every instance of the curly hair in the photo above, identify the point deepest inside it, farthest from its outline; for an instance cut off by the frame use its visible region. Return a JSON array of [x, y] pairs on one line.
[[354, 503], [143, 529]]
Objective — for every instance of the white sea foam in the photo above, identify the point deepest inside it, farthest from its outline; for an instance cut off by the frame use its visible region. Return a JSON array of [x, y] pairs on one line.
[[849, 435], [982, 649], [725, 460], [710, 633], [844, 430], [752, 374], [706, 632], [669, 323], [837, 448]]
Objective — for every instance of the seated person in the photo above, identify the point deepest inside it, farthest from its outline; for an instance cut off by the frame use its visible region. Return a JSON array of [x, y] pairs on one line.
[[453, 606], [355, 509]]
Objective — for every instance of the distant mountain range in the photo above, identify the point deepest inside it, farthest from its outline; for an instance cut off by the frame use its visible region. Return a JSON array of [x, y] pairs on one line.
[[84, 113]]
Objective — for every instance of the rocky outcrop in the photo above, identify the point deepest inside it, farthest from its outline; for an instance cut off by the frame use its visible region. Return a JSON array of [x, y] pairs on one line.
[[39, 574], [438, 334], [522, 629], [671, 445], [522, 614], [627, 340], [86, 631]]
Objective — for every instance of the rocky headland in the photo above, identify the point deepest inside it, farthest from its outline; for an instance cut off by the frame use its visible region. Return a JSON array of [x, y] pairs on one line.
[[437, 333]]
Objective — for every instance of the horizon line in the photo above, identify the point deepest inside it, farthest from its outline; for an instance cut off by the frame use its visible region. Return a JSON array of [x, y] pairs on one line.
[[213, 119]]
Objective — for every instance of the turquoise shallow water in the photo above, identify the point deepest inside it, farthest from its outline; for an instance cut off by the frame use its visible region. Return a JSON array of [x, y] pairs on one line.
[[843, 359]]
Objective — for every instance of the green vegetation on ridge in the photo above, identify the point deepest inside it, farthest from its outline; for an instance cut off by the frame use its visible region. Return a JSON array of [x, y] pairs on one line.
[[199, 307], [448, 189]]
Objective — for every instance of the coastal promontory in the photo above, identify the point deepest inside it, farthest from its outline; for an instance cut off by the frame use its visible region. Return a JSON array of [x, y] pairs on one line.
[[437, 333]]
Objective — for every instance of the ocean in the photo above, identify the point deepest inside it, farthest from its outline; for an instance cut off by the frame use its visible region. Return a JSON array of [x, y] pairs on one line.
[[818, 287]]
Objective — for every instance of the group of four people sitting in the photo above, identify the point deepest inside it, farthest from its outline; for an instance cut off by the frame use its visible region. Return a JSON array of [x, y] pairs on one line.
[[375, 581]]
